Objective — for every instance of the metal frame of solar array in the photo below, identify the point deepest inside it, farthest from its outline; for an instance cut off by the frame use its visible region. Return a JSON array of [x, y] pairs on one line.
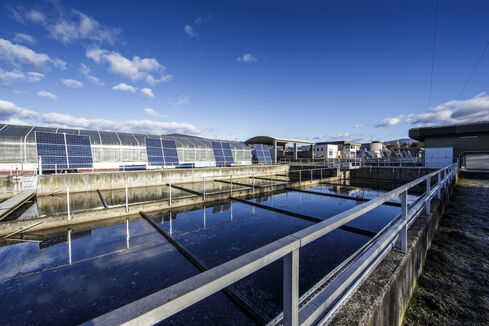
[[262, 153], [63, 151], [161, 152], [222, 153]]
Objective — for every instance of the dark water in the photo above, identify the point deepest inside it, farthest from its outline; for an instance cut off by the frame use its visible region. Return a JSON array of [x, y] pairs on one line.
[[115, 265], [359, 192], [324, 207]]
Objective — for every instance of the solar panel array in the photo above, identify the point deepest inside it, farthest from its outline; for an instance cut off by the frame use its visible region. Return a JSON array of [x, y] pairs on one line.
[[79, 151], [262, 153], [222, 153], [161, 152], [60, 151]]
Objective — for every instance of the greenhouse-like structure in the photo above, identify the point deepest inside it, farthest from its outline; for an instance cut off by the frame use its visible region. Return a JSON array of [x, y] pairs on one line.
[[24, 147]]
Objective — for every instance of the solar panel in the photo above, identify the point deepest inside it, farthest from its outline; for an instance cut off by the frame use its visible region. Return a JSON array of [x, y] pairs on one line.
[[170, 153], [228, 153], [219, 153], [262, 153], [60, 151], [79, 151], [161, 152], [154, 151], [51, 147]]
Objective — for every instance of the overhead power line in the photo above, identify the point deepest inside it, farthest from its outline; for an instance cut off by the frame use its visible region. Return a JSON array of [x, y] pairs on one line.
[[433, 53], [474, 69]]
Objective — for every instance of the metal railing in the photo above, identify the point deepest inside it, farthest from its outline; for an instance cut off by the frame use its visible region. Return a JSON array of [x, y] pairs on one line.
[[167, 302]]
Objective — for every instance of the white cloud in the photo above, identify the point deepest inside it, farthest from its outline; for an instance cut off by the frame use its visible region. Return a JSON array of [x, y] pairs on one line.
[[85, 70], [388, 122], [190, 31], [72, 83], [200, 20], [77, 25], [47, 95], [9, 110], [247, 58], [182, 100], [147, 92], [19, 55], [134, 69], [153, 112], [24, 38], [124, 88], [8, 77], [153, 81], [359, 125], [33, 76], [10, 113], [36, 16], [150, 111], [457, 111]]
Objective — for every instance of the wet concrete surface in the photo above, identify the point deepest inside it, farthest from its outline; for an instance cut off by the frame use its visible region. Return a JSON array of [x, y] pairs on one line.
[[454, 286]]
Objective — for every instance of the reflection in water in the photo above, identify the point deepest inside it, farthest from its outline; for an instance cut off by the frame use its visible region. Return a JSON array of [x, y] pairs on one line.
[[74, 274]]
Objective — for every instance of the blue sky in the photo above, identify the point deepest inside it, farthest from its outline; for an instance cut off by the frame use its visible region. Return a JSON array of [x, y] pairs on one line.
[[322, 70]]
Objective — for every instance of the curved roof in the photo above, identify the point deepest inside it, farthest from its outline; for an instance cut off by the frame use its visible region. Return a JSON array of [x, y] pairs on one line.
[[269, 140], [27, 133]]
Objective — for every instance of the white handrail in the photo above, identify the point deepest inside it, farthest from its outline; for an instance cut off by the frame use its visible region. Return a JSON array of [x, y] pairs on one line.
[[167, 302]]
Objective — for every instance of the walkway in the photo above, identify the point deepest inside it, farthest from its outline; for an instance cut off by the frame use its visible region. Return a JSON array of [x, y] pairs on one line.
[[454, 286]]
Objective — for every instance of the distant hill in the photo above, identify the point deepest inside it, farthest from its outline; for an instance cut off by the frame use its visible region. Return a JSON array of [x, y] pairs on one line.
[[401, 141]]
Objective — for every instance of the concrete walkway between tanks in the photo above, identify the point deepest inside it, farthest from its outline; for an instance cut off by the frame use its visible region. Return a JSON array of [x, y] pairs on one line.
[[454, 286]]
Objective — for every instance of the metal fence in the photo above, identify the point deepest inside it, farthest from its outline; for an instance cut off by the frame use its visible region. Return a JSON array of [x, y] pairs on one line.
[[338, 286]]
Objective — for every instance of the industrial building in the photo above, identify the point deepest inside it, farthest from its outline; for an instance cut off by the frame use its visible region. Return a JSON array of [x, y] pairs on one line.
[[22, 146], [444, 144], [345, 149]]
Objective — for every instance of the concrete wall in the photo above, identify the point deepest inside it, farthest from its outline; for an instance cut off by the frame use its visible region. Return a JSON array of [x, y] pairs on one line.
[[81, 182], [396, 174]]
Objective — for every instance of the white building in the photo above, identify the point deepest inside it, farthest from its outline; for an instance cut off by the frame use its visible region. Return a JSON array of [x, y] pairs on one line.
[[325, 150], [340, 149]]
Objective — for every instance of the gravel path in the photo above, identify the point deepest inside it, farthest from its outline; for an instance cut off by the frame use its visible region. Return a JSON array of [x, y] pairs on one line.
[[454, 286]]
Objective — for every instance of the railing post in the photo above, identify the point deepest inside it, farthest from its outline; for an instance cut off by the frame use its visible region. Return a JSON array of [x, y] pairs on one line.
[[169, 197], [231, 181], [253, 182], [311, 175], [428, 202], [300, 177], [68, 202], [321, 174], [291, 288], [127, 201], [271, 182], [438, 193], [402, 239], [203, 188]]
